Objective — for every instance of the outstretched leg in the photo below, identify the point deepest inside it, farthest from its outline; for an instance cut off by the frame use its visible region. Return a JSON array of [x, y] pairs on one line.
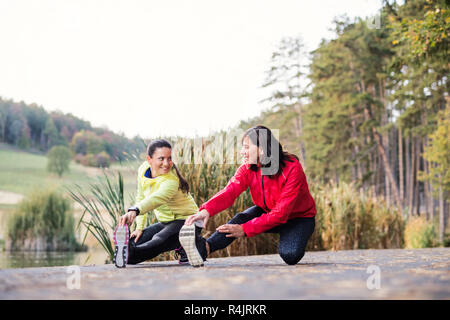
[[219, 240], [156, 239]]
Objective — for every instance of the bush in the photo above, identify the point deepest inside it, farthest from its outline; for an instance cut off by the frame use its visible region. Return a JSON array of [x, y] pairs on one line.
[[42, 222], [79, 158], [420, 233], [102, 160]]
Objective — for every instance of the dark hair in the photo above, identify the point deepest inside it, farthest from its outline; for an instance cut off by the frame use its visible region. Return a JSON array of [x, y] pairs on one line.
[[161, 143], [274, 158]]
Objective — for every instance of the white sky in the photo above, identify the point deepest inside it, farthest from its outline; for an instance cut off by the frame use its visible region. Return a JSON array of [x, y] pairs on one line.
[[154, 67]]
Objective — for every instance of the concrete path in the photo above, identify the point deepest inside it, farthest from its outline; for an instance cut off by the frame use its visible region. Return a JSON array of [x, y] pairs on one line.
[[355, 274]]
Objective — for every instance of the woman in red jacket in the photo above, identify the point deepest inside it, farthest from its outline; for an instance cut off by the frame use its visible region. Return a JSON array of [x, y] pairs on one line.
[[279, 190]]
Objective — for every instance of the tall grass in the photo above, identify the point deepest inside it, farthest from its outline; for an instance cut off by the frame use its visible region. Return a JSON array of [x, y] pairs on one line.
[[42, 222], [103, 205], [349, 219], [420, 233]]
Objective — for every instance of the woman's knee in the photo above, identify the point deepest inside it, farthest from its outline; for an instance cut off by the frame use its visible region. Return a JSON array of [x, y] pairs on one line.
[[291, 257]]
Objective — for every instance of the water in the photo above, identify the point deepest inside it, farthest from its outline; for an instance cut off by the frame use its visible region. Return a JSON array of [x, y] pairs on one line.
[[29, 259]]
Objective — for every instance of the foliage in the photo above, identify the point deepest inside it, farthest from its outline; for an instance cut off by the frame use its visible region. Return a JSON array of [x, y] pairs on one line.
[[100, 160], [420, 233], [58, 159], [43, 221], [349, 219], [31, 127], [426, 35], [438, 152], [104, 204]]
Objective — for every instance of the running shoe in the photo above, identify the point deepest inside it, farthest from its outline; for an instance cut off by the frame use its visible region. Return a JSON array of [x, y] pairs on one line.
[[181, 256], [195, 247], [121, 236]]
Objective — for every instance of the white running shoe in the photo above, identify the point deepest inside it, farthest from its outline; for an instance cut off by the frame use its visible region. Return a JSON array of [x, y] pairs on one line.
[[121, 236], [187, 239]]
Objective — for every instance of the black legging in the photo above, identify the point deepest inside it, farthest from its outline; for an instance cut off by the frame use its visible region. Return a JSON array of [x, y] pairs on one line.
[[294, 235], [155, 239]]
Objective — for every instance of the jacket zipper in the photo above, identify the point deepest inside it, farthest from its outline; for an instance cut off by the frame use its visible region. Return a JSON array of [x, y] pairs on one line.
[[264, 199]]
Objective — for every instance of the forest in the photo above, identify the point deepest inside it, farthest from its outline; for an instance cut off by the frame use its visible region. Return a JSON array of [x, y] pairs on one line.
[[31, 127], [371, 105]]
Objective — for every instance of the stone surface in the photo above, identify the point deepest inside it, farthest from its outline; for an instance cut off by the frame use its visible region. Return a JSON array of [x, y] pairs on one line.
[[404, 274]]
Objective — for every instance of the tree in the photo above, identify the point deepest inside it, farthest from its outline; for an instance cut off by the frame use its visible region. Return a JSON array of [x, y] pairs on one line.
[[287, 81], [438, 154], [58, 159], [51, 133]]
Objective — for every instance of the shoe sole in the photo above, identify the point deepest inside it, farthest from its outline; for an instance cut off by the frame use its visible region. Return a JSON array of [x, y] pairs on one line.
[[121, 235], [187, 240]]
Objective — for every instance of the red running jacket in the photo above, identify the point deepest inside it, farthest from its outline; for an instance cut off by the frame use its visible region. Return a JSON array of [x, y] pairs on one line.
[[283, 197]]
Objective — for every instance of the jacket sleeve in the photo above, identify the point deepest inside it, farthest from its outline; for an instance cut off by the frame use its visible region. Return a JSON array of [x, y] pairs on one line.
[[141, 221], [226, 197], [282, 209]]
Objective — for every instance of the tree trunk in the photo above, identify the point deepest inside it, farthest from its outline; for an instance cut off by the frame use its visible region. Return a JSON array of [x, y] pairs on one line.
[[358, 171], [441, 211], [299, 132], [431, 199], [385, 141], [379, 143], [411, 178], [400, 164], [394, 155], [408, 172], [416, 179]]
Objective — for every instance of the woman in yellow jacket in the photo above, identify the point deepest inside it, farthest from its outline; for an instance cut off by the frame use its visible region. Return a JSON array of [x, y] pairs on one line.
[[161, 188]]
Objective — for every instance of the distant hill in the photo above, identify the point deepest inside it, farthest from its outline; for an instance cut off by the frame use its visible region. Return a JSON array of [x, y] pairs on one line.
[[32, 128], [22, 172]]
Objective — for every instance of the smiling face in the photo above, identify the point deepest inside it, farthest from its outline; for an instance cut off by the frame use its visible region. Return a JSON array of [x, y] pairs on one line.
[[250, 151], [161, 161]]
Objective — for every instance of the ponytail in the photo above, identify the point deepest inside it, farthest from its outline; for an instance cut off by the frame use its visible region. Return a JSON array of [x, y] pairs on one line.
[[184, 185]]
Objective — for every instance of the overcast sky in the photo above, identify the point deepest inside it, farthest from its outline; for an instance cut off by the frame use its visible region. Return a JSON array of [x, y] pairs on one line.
[[154, 67]]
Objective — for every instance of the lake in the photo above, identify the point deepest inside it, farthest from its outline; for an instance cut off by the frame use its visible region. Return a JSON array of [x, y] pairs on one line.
[[29, 259]]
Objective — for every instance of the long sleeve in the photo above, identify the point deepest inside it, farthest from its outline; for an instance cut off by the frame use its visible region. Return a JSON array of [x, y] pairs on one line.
[[141, 221], [226, 197]]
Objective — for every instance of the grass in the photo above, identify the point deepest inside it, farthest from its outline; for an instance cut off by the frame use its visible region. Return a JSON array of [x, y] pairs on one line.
[[22, 172]]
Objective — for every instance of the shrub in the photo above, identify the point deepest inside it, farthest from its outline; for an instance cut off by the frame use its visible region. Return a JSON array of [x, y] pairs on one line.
[[420, 233], [79, 158], [43, 222], [102, 160]]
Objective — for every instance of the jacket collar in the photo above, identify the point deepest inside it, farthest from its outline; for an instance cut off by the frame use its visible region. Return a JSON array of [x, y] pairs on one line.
[[170, 173]]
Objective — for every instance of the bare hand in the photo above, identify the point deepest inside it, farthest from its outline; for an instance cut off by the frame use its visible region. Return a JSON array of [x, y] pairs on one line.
[[234, 230], [127, 218], [201, 216], [136, 233]]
